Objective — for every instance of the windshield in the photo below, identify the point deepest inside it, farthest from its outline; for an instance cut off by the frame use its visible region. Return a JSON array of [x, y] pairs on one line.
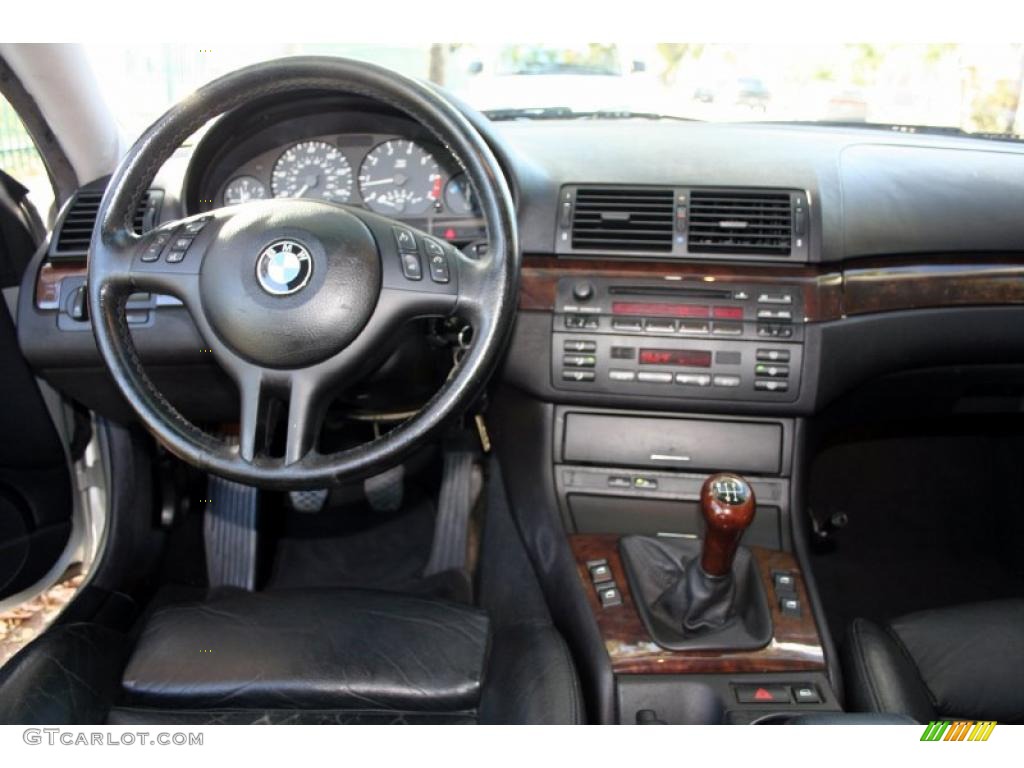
[[972, 88]]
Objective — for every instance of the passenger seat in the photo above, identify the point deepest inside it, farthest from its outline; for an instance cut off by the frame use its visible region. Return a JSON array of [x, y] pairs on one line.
[[962, 663]]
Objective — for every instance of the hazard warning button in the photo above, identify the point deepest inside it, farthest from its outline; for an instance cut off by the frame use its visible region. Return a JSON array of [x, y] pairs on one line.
[[762, 694]]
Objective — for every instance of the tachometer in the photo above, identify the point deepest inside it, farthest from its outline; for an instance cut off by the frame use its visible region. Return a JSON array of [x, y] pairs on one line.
[[242, 189], [400, 177], [312, 169]]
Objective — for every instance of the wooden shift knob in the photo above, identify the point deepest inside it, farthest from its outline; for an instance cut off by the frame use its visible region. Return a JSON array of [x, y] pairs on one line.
[[727, 501]]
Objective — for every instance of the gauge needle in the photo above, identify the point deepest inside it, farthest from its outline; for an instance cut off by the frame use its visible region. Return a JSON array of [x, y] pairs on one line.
[[378, 181], [302, 190]]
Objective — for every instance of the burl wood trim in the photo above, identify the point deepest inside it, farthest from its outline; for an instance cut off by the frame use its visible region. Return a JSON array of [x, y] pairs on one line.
[[879, 286], [49, 280], [795, 646]]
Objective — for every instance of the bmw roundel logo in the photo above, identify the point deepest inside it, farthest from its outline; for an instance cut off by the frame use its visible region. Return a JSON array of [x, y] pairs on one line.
[[284, 267]]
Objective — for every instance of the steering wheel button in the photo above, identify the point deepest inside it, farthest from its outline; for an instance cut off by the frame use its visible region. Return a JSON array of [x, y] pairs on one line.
[[194, 227], [411, 267], [175, 257], [406, 240], [439, 269], [181, 243]]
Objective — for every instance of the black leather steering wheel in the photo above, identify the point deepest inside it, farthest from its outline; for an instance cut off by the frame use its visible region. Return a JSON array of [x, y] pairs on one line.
[[299, 298]]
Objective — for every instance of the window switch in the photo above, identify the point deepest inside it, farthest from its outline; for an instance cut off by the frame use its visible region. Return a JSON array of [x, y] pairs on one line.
[[600, 572], [609, 595], [785, 583], [806, 694], [790, 606]]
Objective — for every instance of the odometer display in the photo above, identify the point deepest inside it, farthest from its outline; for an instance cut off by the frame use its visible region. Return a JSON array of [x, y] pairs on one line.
[[684, 358]]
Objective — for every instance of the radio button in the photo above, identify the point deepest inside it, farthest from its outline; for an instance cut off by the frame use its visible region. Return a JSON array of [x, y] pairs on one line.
[[774, 314], [619, 481], [623, 353], [690, 326], [654, 377], [726, 381], [774, 298], [581, 321], [620, 375], [577, 375], [660, 326], [579, 345], [776, 331], [579, 361], [693, 379], [771, 385], [727, 329], [627, 325], [773, 355], [772, 370]]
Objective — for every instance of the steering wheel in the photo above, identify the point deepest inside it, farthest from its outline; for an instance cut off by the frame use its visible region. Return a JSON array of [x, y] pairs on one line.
[[297, 299]]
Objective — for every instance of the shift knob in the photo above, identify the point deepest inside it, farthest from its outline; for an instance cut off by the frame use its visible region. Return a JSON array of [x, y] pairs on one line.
[[727, 502]]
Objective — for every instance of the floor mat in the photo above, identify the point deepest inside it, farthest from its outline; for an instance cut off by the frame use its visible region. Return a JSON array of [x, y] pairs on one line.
[[390, 555], [933, 521]]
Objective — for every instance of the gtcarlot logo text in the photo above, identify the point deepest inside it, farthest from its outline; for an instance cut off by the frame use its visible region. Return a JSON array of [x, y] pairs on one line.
[[79, 738]]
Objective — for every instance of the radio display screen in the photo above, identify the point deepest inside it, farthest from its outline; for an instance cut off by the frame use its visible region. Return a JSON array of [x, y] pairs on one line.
[[687, 358]]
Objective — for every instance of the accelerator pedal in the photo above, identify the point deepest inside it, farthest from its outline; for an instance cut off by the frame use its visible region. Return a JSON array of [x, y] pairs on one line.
[[461, 484], [308, 502], [229, 533]]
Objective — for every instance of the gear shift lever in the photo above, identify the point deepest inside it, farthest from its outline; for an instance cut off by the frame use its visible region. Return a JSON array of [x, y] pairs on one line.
[[727, 502], [706, 594]]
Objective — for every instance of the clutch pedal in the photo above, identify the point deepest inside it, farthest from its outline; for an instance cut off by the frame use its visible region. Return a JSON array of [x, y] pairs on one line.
[[229, 533]]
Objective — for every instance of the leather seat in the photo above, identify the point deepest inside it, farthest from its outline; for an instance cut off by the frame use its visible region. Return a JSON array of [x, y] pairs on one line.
[[310, 656], [964, 663]]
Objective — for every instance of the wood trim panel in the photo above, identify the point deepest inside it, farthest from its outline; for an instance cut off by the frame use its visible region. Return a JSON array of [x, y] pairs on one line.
[[860, 288], [879, 286], [795, 647], [48, 283]]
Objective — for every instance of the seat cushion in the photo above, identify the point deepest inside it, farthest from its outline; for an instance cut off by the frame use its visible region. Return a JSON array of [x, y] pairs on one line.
[[310, 649], [962, 662]]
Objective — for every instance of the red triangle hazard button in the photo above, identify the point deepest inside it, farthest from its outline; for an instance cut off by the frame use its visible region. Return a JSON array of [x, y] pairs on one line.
[[763, 694]]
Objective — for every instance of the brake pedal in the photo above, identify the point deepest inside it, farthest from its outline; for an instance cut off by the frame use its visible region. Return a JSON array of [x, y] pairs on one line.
[[308, 502], [229, 533]]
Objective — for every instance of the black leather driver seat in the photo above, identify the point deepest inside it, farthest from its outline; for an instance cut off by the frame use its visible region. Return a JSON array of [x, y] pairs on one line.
[[309, 656], [963, 663]]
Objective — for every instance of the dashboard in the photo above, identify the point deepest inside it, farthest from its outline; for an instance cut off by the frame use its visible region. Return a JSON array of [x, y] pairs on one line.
[[907, 245]]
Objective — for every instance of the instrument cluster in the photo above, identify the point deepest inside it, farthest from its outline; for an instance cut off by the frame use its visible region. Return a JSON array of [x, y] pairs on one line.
[[394, 175]]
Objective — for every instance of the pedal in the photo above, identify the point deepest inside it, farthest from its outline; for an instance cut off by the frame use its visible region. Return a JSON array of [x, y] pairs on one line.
[[308, 502], [229, 533], [461, 484], [384, 492]]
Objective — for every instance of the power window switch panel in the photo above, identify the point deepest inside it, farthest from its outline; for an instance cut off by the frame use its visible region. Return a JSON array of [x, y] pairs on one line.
[[785, 583], [806, 694]]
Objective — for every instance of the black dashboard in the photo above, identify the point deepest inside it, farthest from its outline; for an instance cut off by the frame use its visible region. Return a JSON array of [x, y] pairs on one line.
[[906, 244]]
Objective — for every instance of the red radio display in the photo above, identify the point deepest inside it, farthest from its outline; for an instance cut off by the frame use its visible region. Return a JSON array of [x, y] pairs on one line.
[[687, 358]]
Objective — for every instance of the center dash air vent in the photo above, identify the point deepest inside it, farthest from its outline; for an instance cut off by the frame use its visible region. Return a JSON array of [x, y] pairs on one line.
[[608, 219], [75, 228], [740, 222]]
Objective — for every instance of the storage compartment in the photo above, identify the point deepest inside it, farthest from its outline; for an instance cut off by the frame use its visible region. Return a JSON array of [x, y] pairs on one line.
[[612, 514], [672, 443]]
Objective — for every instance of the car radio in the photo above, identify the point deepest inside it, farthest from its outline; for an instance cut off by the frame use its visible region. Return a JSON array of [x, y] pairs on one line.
[[678, 338]]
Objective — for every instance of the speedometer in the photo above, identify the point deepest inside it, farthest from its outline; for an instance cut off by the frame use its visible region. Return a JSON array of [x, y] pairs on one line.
[[312, 169], [400, 176]]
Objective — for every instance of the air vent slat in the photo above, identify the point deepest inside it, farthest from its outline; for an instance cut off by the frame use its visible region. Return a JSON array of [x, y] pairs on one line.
[[80, 220], [741, 222], [610, 219]]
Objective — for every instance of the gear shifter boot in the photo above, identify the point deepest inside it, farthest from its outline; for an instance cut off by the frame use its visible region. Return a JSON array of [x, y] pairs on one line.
[[684, 608]]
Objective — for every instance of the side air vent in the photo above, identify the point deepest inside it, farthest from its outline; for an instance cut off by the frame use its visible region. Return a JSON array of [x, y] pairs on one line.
[[623, 220], [76, 227], [740, 222]]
